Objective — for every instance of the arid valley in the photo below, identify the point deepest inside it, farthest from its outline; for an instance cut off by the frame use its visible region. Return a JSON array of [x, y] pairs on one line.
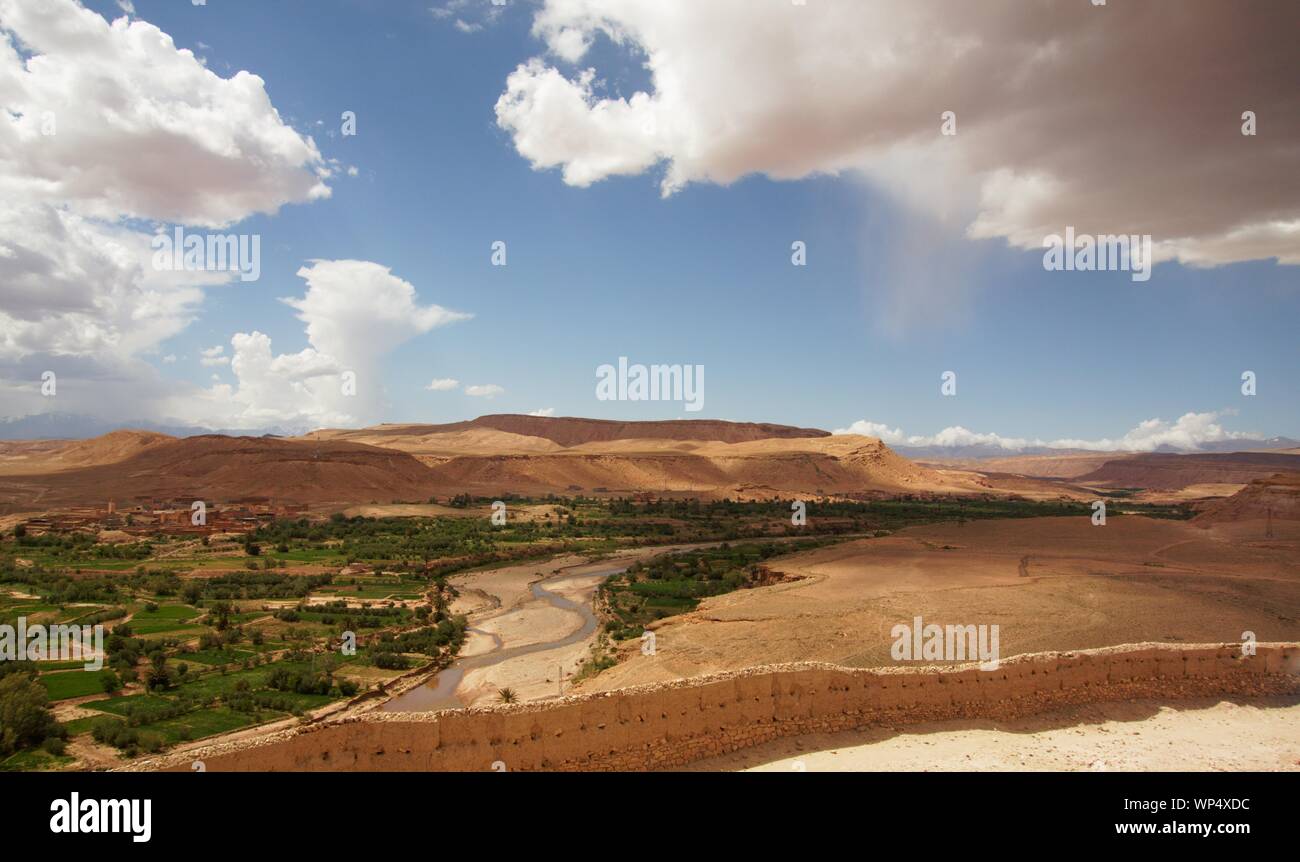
[[260, 590], [408, 404]]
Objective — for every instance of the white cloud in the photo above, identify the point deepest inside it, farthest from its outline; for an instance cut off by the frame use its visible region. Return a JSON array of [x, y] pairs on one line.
[[794, 90], [1189, 432], [212, 356], [151, 133], [355, 313], [952, 436], [448, 9], [545, 411], [487, 390], [75, 286], [556, 121], [350, 304], [469, 16], [105, 125], [442, 384]]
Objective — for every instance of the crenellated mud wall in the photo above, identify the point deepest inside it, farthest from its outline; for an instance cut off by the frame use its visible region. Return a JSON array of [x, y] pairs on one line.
[[662, 726]]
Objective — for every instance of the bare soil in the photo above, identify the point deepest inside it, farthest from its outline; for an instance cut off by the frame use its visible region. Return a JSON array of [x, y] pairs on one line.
[[1047, 583], [1260, 734]]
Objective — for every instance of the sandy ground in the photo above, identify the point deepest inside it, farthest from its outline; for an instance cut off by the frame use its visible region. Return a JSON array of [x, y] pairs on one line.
[[505, 614], [536, 675], [1202, 735], [1062, 466], [1048, 583], [489, 593], [533, 621], [1203, 491]]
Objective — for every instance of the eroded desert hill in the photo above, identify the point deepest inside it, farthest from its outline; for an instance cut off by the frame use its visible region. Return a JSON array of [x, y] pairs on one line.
[[1066, 465], [538, 455], [222, 469], [19, 457], [1274, 497], [532, 455], [486, 457], [817, 466], [1161, 471], [572, 431]]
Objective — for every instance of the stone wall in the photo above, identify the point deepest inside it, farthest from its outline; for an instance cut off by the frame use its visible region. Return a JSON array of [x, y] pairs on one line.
[[655, 727]]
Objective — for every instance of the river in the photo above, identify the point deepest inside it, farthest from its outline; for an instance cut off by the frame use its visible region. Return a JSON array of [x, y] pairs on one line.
[[440, 692]]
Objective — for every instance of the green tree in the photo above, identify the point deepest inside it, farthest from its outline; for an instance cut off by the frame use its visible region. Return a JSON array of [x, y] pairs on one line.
[[159, 677], [25, 717], [109, 682], [220, 613]]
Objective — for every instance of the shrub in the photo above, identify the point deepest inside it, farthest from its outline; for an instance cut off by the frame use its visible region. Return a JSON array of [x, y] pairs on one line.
[[151, 742], [25, 718], [109, 681]]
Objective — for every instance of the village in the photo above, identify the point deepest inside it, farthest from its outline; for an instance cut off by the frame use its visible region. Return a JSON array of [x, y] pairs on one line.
[[167, 517]]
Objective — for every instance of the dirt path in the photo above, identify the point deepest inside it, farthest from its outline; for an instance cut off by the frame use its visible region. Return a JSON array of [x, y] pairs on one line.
[[1200, 735], [90, 755]]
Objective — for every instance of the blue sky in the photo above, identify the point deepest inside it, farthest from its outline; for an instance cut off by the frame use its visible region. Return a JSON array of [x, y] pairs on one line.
[[889, 299]]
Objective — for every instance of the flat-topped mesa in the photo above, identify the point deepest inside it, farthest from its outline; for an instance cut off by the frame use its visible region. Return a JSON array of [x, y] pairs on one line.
[[574, 431], [1164, 471]]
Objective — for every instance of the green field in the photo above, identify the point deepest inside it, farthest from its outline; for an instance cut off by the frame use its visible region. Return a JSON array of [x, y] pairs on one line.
[[83, 725], [72, 683], [33, 760], [168, 612], [206, 722], [173, 729], [142, 703], [153, 630], [166, 620], [215, 657], [60, 665], [211, 686]]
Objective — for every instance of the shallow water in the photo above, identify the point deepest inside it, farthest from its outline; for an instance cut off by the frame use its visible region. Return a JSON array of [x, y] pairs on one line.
[[440, 692]]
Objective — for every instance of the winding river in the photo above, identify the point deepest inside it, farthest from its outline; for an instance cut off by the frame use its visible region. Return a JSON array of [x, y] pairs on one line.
[[440, 692]]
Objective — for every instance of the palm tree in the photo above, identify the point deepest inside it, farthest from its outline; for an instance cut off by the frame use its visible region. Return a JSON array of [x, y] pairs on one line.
[[507, 695]]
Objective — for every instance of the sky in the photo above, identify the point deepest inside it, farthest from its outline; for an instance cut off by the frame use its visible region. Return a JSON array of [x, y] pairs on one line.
[[650, 168]]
